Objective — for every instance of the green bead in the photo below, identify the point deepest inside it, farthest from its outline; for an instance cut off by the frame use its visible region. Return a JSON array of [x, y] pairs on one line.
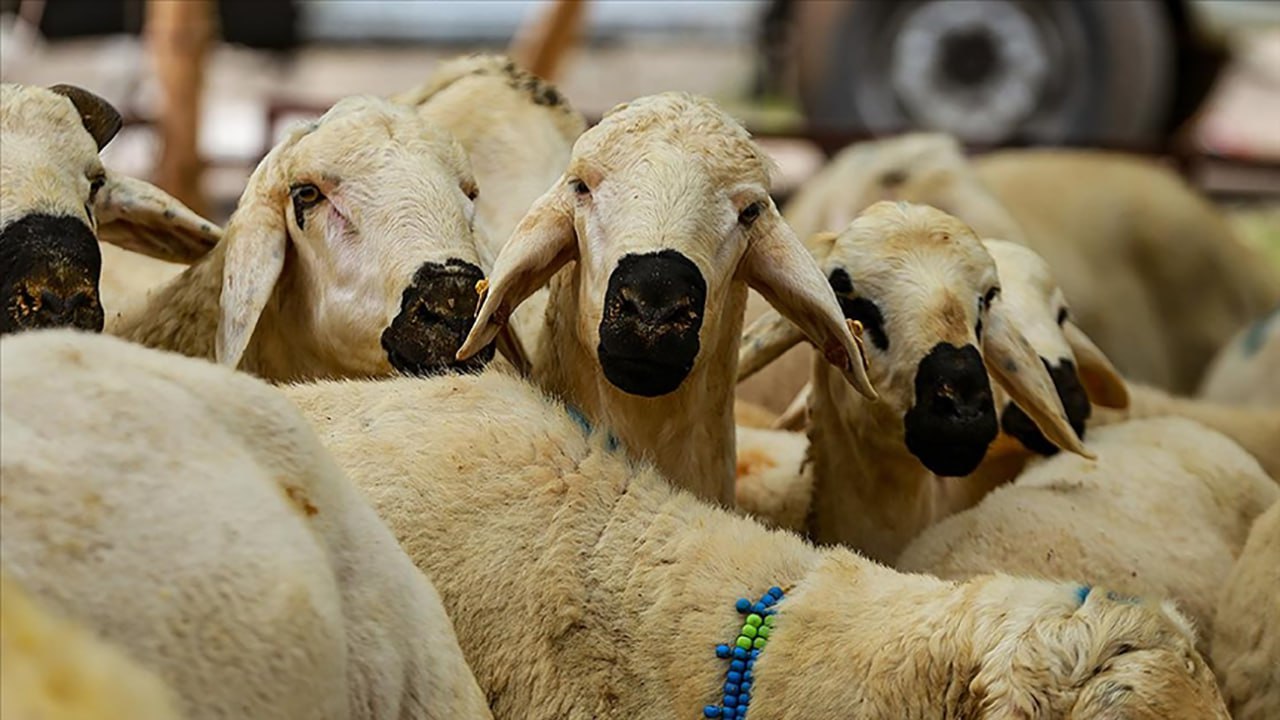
[[763, 632], [760, 643], [769, 621], [744, 642], [754, 619], [749, 631]]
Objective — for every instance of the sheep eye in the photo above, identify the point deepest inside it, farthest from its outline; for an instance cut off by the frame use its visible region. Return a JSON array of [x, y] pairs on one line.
[[1062, 317], [306, 195], [95, 184], [581, 188], [749, 214], [990, 296], [471, 191]]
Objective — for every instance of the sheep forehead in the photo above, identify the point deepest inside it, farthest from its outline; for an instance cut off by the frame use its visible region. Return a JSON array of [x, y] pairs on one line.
[[902, 237], [361, 136], [693, 125], [43, 116]]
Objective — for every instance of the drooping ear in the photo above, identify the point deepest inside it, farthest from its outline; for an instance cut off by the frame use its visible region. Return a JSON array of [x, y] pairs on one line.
[[541, 244], [778, 267], [1102, 382], [256, 241], [138, 216], [99, 117], [1015, 365]]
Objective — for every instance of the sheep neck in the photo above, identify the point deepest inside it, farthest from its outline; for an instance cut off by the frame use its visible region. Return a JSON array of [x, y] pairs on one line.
[[869, 492], [182, 316], [688, 433]]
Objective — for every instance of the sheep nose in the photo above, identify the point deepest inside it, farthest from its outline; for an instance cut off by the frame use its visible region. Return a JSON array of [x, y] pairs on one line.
[[49, 267], [436, 313], [953, 419], [951, 402], [653, 312]]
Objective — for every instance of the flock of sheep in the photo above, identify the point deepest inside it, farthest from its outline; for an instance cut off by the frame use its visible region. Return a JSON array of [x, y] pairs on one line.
[[447, 423]]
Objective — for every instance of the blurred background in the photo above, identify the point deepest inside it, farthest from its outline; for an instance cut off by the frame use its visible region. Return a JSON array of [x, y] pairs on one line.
[[207, 86]]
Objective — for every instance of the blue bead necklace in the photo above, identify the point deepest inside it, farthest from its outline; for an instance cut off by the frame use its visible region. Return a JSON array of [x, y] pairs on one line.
[[742, 654]]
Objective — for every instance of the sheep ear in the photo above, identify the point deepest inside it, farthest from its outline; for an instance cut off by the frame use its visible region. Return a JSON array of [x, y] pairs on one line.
[[778, 267], [1015, 365], [1101, 380], [256, 241], [541, 244], [100, 118], [138, 216]]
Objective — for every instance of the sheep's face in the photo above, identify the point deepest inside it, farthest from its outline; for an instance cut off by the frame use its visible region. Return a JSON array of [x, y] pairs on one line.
[[665, 208], [926, 168], [1110, 658], [920, 283], [1080, 371], [363, 222], [50, 175]]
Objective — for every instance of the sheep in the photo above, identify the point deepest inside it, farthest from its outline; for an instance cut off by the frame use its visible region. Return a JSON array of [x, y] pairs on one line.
[[665, 215], [582, 584], [186, 513], [1125, 237], [518, 132], [1164, 510], [353, 253], [1105, 222], [927, 293], [53, 669], [1246, 637], [1247, 370], [928, 168], [128, 276], [57, 201]]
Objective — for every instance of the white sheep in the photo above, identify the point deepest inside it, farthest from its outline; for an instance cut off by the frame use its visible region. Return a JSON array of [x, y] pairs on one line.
[[1246, 638], [1134, 245], [1247, 370], [928, 168], [649, 241], [353, 253], [56, 202], [583, 585], [926, 292], [188, 515], [1164, 510], [518, 132], [54, 669]]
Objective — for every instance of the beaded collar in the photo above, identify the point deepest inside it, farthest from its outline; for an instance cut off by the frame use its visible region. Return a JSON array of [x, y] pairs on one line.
[[742, 654]]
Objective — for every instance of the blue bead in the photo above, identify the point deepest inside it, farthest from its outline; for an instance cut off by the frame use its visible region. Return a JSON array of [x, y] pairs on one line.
[[744, 699], [734, 677], [751, 663], [739, 653], [768, 600], [731, 701], [746, 676], [758, 608], [743, 605], [742, 712], [711, 711], [755, 653], [745, 687], [731, 689], [776, 592], [722, 651], [737, 665]]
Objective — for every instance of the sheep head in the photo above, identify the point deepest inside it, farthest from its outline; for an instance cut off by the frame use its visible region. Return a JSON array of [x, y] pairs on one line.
[[665, 209], [928, 296], [57, 200], [927, 168], [1081, 373], [357, 231], [1108, 657]]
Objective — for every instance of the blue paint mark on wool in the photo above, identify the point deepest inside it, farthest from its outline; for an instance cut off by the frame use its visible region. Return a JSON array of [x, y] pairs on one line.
[[1257, 332], [611, 442]]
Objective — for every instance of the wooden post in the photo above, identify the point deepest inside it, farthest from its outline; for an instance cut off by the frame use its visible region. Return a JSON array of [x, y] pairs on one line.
[[178, 36], [540, 46]]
